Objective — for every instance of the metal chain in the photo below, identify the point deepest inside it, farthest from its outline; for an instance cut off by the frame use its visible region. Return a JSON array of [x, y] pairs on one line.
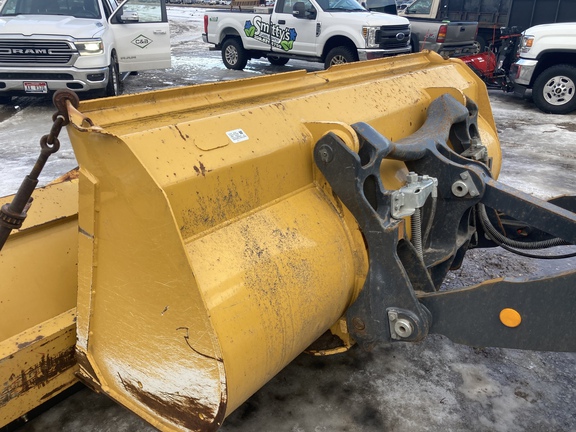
[[13, 214]]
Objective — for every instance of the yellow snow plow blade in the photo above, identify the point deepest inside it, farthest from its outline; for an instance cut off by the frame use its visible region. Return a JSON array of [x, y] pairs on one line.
[[211, 250]]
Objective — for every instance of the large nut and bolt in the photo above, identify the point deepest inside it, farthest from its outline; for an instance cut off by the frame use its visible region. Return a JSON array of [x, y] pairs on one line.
[[403, 328], [459, 188]]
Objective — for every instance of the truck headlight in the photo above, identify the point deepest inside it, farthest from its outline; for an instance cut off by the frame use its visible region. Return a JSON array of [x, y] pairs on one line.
[[526, 44], [90, 47], [370, 36]]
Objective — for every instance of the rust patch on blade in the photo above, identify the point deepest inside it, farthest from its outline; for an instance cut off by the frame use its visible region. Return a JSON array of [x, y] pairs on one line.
[[70, 175], [37, 375], [86, 372], [182, 410], [23, 345], [201, 170]]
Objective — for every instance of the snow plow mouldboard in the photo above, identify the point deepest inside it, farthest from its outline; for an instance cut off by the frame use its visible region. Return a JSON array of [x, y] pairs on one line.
[[212, 251]]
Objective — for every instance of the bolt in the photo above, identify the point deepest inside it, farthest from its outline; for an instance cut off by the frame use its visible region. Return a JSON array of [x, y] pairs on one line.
[[464, 175], [392, 316], [325, 153], [358, 323]]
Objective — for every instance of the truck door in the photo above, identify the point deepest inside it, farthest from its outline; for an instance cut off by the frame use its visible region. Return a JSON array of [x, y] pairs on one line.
[[257, 31], [142, 35], [294, 35]]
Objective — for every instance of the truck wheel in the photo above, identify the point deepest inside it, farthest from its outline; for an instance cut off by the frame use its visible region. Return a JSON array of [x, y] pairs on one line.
[[339, 55], [234, 55], [479, 44], [554, 90], [114, 86], [278, 61]]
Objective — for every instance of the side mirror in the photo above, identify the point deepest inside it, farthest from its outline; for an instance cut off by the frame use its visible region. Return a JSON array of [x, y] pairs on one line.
[[299, 11]]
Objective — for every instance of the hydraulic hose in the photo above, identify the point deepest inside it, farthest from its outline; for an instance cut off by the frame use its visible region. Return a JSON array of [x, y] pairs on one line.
[[514, 245]]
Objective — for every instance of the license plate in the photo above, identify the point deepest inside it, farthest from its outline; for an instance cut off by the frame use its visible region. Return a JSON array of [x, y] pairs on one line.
[[35, 87]]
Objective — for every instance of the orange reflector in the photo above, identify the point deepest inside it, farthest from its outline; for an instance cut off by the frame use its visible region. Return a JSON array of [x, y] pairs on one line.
[[510, 317]]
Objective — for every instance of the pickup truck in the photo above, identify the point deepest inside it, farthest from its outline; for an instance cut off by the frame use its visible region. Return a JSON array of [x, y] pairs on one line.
[[81, 45], [326, 31], [492, 15], [547, 65], [447, 38]]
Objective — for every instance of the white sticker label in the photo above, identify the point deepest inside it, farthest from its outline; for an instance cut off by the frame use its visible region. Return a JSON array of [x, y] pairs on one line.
[[237, 135]]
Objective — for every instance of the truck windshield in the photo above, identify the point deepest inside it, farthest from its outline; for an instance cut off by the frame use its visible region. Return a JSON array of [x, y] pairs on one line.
[[75, 8], [340, 6]]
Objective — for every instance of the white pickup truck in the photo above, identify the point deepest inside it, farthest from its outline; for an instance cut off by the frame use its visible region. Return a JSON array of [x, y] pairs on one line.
[[547, 65], [81, 45], [327, 31]]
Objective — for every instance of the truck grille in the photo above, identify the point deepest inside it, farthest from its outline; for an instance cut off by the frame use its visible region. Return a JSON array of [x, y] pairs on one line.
[[390, 37], [35, 52], [36, 76]]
